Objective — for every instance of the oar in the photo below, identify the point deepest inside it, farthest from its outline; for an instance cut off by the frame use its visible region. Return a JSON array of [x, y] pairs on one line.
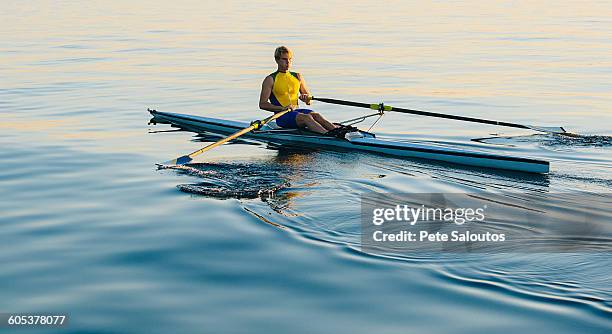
[[254, 126], [381, 107]]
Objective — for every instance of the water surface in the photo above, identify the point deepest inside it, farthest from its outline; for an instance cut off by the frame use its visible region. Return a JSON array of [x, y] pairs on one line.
[[90, 226]]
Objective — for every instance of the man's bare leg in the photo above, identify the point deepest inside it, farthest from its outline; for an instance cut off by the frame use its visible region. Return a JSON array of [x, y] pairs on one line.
[[322, 121], [306, 120]]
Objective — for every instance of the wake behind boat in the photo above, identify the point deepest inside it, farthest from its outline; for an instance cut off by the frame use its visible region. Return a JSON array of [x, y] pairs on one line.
[[358, 140]]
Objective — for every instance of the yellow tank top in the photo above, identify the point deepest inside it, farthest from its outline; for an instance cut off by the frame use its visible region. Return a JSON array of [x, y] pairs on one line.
[[286, 88]]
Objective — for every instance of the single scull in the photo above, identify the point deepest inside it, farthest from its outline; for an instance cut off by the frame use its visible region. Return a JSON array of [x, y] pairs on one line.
[[360, 140]]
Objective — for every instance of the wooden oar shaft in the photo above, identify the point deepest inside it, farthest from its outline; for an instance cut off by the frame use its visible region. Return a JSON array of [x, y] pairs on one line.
[[255, 125], [222, 141], [420, 112], [235, 135]]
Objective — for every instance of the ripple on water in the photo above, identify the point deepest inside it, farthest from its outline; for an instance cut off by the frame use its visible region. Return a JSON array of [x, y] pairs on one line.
[[315, 208], [233, 180]]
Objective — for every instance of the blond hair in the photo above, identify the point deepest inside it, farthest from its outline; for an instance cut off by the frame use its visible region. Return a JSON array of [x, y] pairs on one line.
[[280, 50]]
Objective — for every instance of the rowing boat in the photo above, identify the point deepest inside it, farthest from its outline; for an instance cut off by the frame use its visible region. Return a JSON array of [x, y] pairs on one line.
[[360, 140]]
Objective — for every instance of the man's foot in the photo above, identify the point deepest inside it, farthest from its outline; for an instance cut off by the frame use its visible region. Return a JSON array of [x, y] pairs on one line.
[[349, 128], [341, 131], [335, 133]]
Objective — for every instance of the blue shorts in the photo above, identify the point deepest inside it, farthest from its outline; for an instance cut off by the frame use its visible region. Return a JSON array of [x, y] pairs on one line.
[[287, 121]]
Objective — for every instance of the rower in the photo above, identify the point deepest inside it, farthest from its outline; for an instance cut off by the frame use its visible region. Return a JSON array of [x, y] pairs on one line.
[[279, 92]]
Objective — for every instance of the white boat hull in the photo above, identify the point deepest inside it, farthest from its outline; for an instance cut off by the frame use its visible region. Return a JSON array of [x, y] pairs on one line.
[[363, 142]]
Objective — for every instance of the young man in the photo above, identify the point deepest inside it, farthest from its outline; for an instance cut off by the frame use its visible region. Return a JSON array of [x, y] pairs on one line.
[[280, 91]]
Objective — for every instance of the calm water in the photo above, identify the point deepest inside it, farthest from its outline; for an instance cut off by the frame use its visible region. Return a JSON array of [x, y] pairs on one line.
[[90, 227]]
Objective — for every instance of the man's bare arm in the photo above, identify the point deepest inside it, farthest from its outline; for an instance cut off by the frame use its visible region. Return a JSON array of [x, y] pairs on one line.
[[304, 91], [266, 90]]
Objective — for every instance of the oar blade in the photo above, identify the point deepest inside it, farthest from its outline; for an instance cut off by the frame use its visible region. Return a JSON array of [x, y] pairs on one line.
[[185, 159], [550, 129]]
